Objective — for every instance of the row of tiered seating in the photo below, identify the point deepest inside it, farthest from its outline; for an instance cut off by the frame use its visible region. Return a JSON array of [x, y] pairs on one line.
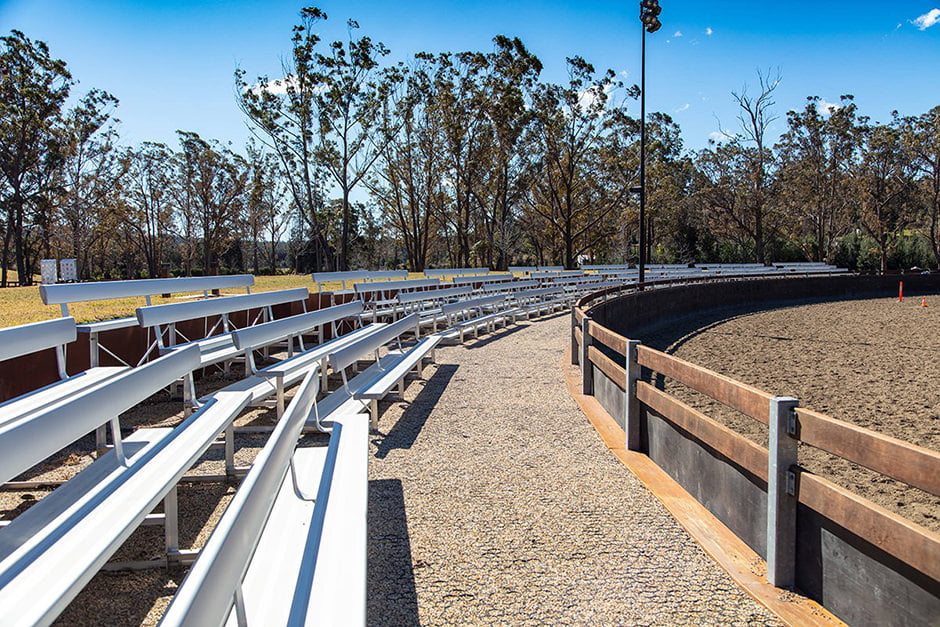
[[92, 514]]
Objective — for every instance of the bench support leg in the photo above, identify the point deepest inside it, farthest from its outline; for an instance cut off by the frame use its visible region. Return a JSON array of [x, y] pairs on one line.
[[374, 413], [280, 396], [101, 439], [230, 449], [171, 527]]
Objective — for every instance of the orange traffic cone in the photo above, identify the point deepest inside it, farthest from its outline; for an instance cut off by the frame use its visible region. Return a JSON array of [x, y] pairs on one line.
[[923, 302]]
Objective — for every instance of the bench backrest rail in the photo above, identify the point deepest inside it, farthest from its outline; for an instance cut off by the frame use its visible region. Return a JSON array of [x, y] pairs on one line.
[[371, 289], [65, 293], [259, 336], [165, 317], [213, 585], [356, 275], [29, 440], [469, 308], [36, 336], [348, 355]]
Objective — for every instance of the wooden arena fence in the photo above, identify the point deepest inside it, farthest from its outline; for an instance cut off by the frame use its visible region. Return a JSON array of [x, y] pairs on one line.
[[862, 562]]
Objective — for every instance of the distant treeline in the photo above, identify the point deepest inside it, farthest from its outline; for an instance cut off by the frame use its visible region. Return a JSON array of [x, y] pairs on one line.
[[464, 158]]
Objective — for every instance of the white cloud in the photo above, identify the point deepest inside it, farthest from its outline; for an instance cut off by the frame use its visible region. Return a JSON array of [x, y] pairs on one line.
[[709, 31], [624, 73], [588, 96], [683, 108], [678, 33], [824, 107], [719, 136], [927, 20], [279, 86]]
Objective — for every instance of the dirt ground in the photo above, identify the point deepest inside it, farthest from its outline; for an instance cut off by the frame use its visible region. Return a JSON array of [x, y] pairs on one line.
[[875, 363]]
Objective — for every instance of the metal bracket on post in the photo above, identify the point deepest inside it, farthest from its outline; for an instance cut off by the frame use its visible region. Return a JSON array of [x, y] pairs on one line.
[[574, 344], [631, 404], [587, 370], [781, 492]]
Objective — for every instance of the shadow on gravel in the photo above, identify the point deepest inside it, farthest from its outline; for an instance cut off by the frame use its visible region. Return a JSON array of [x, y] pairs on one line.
[[492, 337], [405, 431], [393, 599]]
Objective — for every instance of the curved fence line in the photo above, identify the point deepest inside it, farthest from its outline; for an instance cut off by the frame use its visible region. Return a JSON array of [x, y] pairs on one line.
[[861, 561]]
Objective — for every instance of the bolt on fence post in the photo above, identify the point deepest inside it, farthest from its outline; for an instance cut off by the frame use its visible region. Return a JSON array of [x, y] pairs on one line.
[[574, 344], [587, 370], [631, 405], [781, 492]]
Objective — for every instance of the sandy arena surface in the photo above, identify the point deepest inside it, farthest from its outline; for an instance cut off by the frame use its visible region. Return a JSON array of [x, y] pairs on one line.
[[875, 363], [491, 501]]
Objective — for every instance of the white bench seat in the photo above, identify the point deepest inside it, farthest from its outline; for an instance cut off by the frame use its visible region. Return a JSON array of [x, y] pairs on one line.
[[31, 338], [386, 379], [387, 370]]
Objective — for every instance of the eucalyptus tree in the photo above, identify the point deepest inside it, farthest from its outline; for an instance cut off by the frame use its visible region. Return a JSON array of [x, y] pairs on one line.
[[148, 206], [90, 177], [817, 154], [285, 117], [33, 90], [503, 97], [266, 207], [739, 174], [408, 181], [570, 188], [920, 137], [349, 104], [211, 179], [884, 185]]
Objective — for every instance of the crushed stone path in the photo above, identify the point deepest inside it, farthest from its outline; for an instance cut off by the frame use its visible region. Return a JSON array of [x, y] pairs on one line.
[[493, 501]]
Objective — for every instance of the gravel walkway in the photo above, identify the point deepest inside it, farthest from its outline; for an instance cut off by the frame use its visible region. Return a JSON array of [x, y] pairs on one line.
[[493, 501]]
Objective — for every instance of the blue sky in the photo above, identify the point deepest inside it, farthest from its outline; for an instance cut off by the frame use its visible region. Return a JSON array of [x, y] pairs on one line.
[[171, 63]]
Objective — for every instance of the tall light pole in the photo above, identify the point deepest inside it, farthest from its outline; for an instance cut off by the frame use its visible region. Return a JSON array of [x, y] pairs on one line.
[[649, 17]]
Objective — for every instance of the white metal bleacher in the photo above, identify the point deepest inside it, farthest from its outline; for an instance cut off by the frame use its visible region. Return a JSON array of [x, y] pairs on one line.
[[216, 346], [443, 273], [262, 383], [290, 548], [483, 279], [64, 294], [476, 314], [38, 336], [50, 551], [377, 298]]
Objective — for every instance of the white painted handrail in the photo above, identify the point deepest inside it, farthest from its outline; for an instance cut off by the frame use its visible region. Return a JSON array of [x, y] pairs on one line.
[[548, 274], [29, 440], [445, 272], [265, 334], [176, 312], [207, 594], [36, 336], [101, 290]]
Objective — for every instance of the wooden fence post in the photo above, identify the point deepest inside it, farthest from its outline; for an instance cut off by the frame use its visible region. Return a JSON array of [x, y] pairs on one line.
[[631, 404], [587, 369], [781, 492]]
